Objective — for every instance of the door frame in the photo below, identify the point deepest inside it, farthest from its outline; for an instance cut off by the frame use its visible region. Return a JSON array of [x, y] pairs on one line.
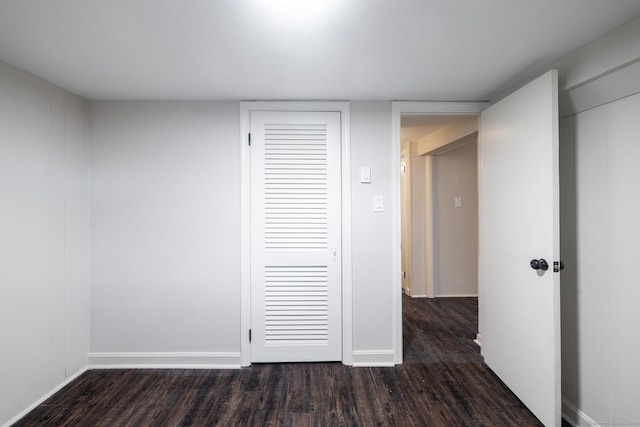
[[245, 218], [419, 108]]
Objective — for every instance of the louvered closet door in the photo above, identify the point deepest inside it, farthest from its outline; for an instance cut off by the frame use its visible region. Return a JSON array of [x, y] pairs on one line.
[[295, 237]]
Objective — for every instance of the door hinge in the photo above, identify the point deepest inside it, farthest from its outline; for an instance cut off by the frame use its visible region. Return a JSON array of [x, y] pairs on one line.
[[249, 138], [249, 335]]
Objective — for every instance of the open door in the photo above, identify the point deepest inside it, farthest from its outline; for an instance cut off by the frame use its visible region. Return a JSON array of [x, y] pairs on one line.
[[519, 234]]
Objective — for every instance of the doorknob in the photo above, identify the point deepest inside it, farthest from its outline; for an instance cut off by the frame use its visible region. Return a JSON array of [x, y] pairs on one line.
[[539, 264], [557, 266]]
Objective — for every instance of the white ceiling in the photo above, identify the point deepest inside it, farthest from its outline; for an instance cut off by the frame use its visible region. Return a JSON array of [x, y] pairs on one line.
[[236, 49]]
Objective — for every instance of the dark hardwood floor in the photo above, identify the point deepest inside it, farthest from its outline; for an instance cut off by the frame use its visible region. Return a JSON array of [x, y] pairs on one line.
[[442, 382]]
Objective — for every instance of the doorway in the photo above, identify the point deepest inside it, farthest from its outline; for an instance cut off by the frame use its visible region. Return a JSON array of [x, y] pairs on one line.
[[424, 109], [518, 150], [439, 193]]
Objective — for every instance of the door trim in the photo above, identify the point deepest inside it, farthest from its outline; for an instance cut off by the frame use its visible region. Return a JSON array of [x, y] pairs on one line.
[[397, 109], [245, 218]]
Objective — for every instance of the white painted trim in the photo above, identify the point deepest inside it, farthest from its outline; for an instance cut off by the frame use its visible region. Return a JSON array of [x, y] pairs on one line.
[[602, 71], [397, 109], [429, 108], [419, 296], [575, 416], [606, 88], [245, 221], [457, 296], [347, 277], [245, 236], [430, 241], [165, 360], [38, 402], [478, 339], [396, 234], [612, 51], [371, 358]]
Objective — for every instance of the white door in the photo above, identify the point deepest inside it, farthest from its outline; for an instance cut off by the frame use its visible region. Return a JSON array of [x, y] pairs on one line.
[[518, 223], [296, 298]]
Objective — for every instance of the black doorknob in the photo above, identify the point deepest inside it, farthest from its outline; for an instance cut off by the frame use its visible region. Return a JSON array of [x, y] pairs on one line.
[[539, 264]]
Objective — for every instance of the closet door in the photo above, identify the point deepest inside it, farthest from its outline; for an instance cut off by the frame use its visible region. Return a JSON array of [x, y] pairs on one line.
[[296, 286]]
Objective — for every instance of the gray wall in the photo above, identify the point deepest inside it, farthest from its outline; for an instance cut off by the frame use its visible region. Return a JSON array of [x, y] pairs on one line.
[[165, 233], [371, 233], [44, 287]]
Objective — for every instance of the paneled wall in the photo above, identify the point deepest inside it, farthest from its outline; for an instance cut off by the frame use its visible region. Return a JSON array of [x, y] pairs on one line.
[[44, 287], [601, 244], [600, 236]]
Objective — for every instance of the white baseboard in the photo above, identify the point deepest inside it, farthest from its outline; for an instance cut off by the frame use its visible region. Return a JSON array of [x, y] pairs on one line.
[[575, 416], [478, 339], [371, 358], [418, 296], [457, 296], [164, 360], [37, 403]]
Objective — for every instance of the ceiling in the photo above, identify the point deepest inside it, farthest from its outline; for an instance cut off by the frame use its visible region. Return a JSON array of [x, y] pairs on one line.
[[249, 49], [414, 127]]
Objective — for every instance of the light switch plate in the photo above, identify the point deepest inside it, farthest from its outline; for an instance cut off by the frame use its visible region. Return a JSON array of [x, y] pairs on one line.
[[365, 175], [378, 204], [457, 202]]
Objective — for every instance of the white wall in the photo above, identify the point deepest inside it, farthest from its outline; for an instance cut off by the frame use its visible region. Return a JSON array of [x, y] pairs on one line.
[[372, 250], [165, 233], [456, 232], [600, 241], [601, 246], [44, 289]]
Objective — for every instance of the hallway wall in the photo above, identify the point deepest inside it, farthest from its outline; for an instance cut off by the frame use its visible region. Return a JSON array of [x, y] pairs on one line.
[[456, 233]]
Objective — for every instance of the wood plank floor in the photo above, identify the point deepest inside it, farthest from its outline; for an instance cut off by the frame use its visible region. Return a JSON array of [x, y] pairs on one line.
[[442, 382]]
